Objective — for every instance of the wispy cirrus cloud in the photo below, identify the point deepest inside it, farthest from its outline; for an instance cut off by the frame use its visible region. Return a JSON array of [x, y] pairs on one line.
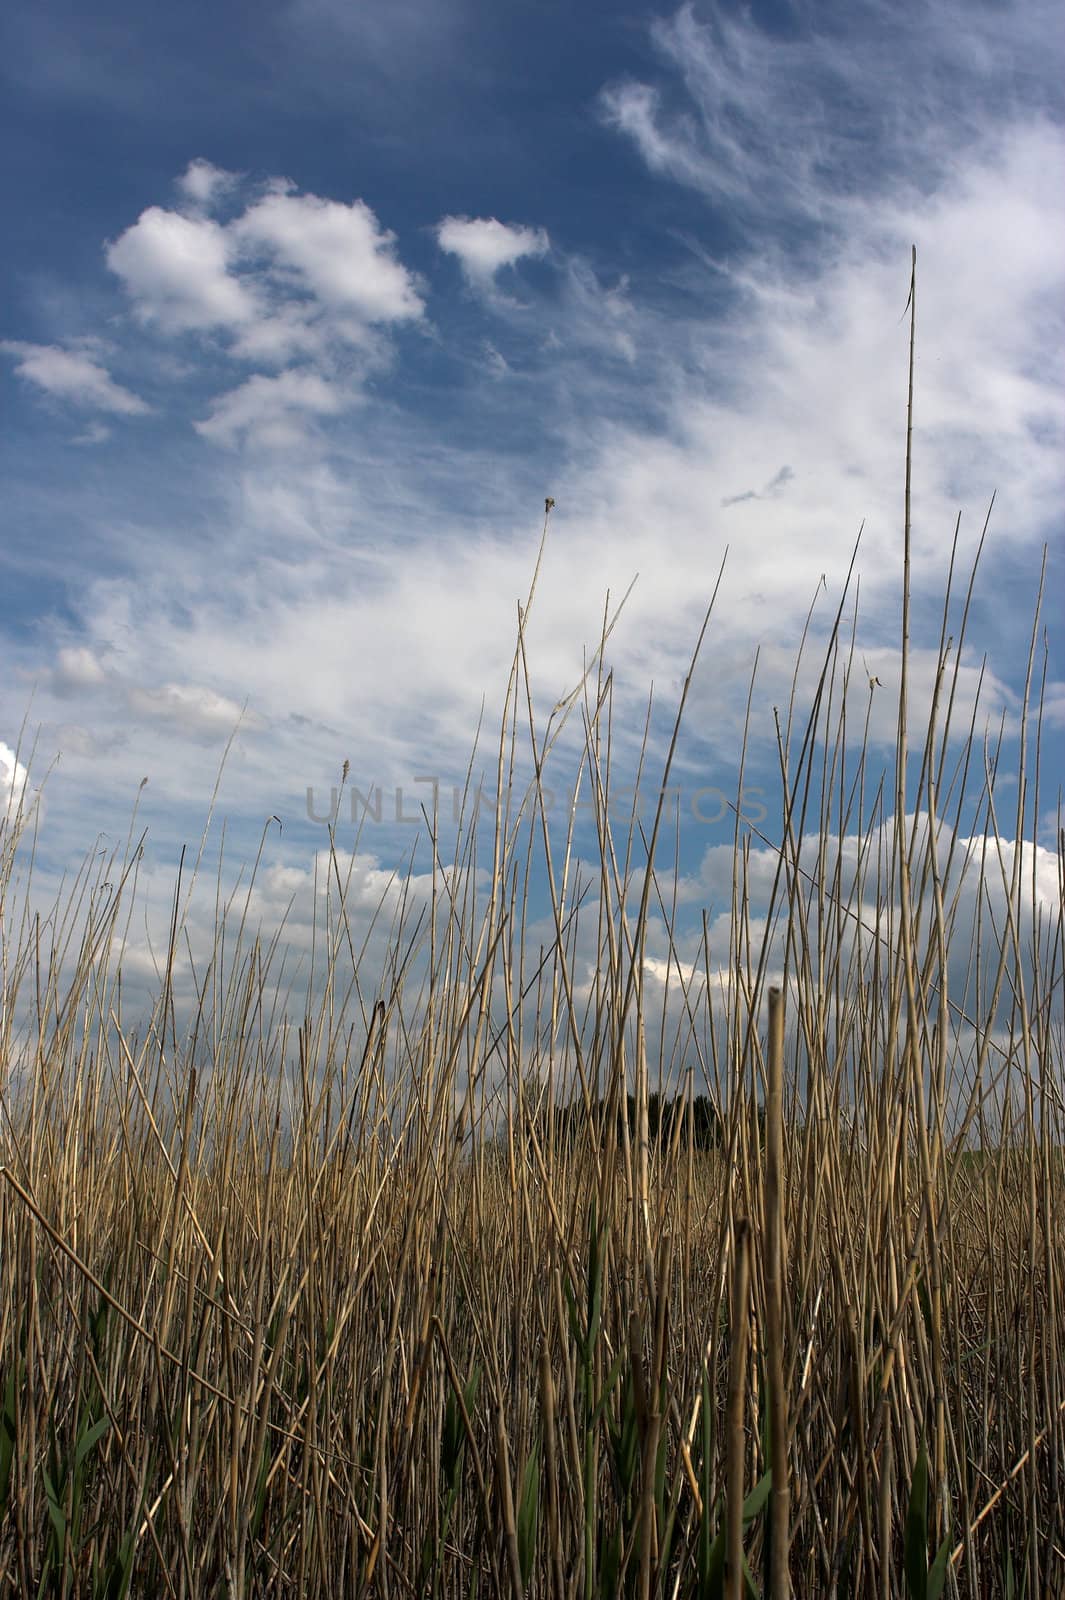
[[796, 123]]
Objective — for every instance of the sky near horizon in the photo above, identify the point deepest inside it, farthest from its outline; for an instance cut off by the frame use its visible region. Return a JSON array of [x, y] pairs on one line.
[[308, 306]]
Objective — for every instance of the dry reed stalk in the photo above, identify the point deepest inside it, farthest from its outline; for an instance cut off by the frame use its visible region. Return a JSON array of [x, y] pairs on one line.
[[735, 1429], [551, 1469], [779, 1526], [887, 1469], [506, 1494]]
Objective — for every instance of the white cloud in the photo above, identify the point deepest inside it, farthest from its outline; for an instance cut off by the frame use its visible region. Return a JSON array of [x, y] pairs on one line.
[[866, 684], [635, 109], [19, 800], [337, 252], [177, 271], [202, 183], [800, 123], [597, 318], [981, 876], [13, 775], [76, 669], [292, 277], [809, 369], [74, 376], [273, 411], [190, 707], [484, 245], [986, 865], [289, 330]]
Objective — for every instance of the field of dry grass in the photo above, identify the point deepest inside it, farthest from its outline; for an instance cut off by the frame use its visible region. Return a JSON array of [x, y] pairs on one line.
[[327, 1302]]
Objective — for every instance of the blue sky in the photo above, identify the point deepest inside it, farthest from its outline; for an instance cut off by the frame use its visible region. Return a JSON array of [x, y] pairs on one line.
[[308, 306]]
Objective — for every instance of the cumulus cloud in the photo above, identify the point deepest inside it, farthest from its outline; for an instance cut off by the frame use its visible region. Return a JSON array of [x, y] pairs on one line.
[[74, 376], [285, 261], [291, 278], [176, 270], [13, 775], [338, 253], [995, 890], [483, 245], [985, 862], [17, 796]]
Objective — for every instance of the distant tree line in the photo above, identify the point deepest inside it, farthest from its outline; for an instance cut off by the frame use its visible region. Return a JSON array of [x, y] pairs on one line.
[[663, 1114]]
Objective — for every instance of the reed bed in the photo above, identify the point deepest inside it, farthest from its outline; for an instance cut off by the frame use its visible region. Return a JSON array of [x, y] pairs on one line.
[[398, 1288]]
